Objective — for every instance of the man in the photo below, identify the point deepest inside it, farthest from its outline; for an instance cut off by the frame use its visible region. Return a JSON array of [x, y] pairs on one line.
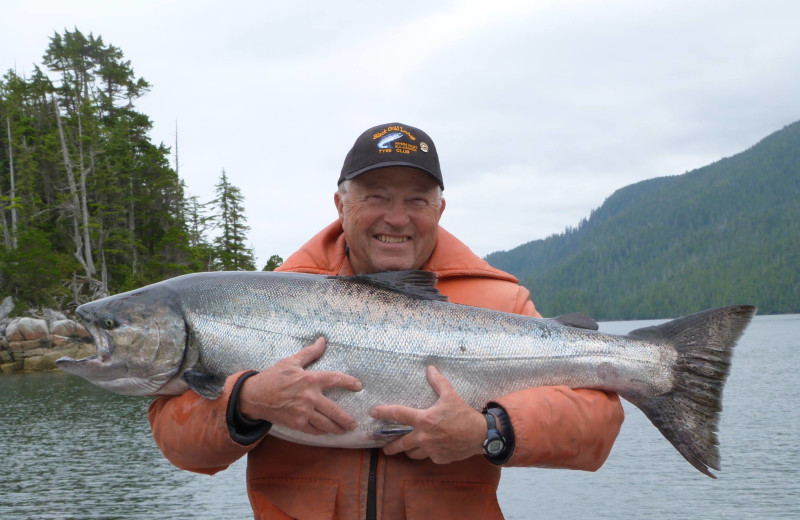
[[389, 204]]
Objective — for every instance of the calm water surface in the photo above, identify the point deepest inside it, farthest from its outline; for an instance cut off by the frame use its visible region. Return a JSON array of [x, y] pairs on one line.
[[71, 450]]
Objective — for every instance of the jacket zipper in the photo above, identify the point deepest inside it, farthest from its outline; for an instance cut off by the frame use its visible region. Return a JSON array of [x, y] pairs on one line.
[[372, 485]]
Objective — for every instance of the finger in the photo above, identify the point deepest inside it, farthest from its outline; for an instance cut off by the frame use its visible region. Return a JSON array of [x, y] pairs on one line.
[[396, 413], [328, 380], [335, 414], [416, 453], [439, 383], [398, 446], [311, 352], [325, 425]]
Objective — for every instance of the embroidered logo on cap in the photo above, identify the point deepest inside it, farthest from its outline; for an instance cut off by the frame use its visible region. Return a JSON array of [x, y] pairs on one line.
[[387, 140]]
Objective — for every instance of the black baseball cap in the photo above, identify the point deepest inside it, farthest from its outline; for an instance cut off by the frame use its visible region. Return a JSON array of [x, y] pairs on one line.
[[392, 144]]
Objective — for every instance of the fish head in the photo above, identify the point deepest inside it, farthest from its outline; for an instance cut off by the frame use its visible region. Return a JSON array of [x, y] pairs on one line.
[[141, 339]]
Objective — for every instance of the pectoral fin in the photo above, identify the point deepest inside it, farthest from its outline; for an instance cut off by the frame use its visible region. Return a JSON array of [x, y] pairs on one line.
[[208, 385]]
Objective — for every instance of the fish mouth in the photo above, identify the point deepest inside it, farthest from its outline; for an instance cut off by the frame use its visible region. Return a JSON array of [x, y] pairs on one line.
[[87, 368], [92, 364], [100, 337], [103, 343]]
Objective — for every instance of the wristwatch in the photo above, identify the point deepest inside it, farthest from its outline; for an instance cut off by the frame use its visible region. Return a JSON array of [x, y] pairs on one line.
[[495, 443]]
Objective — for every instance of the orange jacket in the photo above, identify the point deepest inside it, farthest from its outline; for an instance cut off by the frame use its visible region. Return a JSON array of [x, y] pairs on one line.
[[554, 426]]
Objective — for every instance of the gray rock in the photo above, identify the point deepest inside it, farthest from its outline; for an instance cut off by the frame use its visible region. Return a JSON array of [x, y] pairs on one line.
[[50, 316], [6, 307]]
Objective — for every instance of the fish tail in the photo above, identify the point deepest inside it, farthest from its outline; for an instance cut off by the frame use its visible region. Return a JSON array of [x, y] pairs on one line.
[[689, 414]]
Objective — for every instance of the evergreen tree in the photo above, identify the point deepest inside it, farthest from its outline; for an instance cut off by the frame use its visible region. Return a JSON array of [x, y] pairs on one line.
[[231, 222], [86, 177], [727, 233], [199, 223], [273, 263]]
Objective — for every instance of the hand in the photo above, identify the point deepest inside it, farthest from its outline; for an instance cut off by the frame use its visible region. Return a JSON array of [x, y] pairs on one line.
[[288, 395], [448, 431]]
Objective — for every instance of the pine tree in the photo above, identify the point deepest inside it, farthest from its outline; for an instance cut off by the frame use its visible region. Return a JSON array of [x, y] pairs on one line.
[[87, 176], [231, 222], [273, 263]]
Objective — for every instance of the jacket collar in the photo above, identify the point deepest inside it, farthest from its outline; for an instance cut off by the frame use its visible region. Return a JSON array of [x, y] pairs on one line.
[[325, 253]]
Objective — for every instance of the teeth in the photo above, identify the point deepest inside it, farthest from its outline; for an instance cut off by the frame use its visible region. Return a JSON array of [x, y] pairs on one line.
[[391, 240]]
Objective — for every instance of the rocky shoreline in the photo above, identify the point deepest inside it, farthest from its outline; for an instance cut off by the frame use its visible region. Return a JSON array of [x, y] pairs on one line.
[[33, 344]]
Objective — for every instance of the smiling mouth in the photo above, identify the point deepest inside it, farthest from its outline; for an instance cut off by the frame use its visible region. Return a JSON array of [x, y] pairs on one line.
[[386, 239]]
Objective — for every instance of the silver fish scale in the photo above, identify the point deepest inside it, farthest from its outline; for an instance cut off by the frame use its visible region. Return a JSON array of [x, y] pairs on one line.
[[387, 339]]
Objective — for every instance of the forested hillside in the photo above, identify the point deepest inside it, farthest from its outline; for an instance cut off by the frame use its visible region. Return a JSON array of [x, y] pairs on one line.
[[88, 204], [727, 233]]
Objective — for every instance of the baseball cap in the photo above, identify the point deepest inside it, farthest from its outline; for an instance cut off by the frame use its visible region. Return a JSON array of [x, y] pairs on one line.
[[392, 144]]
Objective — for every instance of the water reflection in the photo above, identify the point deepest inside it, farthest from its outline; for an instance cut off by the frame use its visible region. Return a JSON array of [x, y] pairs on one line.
[[74, 451], [646, 478]]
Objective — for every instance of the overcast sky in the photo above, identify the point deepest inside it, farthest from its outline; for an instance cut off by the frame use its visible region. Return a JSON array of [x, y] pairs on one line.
[[540, 110]]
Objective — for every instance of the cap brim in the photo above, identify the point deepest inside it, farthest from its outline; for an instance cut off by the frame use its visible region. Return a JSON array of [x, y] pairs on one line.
[[388, 164]]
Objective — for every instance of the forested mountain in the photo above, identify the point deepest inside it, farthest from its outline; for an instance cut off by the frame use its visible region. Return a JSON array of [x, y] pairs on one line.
[[727, 233], [88, 204]]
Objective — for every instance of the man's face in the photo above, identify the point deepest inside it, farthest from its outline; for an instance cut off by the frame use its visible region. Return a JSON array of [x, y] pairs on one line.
[[390, 218]]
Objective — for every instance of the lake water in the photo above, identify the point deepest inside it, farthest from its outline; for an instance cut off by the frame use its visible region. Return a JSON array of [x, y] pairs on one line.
[[71, 450]]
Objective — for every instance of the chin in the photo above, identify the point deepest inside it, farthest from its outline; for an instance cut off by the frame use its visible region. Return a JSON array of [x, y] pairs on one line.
[[394, 266]]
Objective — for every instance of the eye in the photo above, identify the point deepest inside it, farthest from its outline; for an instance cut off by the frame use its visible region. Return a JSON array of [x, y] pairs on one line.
[[109, 323]]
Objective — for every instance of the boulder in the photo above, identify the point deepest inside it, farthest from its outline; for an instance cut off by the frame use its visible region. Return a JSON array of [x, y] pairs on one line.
[[64, 327], [26, 329], [10, 368], [23, 348]]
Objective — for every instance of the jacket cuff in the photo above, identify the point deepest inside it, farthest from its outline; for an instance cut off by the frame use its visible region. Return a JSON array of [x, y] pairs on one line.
[[242, 430], [508, 434]]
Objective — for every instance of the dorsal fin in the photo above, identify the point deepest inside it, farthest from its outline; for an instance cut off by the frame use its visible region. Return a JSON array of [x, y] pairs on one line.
[[576, 320], [413, 283]]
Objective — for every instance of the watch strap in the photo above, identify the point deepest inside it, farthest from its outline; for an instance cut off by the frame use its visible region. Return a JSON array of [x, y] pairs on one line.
[[506, 430]]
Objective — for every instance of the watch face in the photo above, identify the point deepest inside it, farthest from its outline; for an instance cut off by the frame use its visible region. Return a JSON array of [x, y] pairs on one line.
[[495, 446]]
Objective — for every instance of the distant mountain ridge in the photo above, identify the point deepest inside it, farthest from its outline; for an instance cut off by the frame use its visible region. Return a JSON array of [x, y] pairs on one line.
[[727, 233]]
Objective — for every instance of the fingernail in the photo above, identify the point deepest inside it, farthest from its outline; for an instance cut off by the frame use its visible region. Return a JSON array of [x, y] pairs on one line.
[[373, 413]]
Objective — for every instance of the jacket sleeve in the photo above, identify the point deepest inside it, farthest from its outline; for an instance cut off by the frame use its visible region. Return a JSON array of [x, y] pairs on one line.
[[194, 433], [558, 427]]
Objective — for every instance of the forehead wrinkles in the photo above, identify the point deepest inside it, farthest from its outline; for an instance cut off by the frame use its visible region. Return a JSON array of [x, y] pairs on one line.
[[399, 177], [397, 189]]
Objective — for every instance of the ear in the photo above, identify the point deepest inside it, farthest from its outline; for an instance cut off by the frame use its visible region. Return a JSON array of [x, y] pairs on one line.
[[337, 200], [441, 207]]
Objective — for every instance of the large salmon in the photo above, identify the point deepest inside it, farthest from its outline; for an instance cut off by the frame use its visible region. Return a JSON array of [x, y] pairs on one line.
[[385, 328]]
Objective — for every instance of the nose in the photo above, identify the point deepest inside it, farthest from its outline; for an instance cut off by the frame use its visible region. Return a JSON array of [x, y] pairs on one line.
[[397, 215]]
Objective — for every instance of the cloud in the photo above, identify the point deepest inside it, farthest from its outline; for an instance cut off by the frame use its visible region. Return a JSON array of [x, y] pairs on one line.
[[540, 110]]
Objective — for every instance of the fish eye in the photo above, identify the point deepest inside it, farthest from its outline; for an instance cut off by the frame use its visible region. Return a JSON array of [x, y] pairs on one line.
[[109, 322]]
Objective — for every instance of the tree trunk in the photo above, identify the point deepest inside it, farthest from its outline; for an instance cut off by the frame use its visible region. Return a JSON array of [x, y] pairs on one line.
[[73, 190], [87, 243], [6, 236], [13, 191]]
